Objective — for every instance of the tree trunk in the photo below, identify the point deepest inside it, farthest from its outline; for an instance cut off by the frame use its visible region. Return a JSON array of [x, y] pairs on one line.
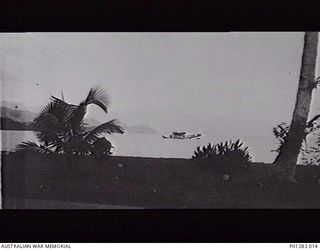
[[287, 158]]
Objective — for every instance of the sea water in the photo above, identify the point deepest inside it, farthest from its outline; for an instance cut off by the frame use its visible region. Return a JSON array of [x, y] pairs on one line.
[[153, 145]]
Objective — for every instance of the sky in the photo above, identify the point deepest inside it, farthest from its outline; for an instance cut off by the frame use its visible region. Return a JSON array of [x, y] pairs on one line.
[[229, 83]]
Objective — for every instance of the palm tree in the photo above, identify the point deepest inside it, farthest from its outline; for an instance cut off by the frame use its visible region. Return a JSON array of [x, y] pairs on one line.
[[61, 129], [288, 155]]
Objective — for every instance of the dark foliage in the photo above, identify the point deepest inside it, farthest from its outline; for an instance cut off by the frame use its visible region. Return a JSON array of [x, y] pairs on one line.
[[310, 154], [281, 132], [60, 128], [227, 153]]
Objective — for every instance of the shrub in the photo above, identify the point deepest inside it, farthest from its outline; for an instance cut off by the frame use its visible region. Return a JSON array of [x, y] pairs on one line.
[[281, 132], [227, 154], [310, 155], [309, 150]]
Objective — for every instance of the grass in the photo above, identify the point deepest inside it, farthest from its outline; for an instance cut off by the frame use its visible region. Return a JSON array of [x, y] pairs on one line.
[[152, 183]]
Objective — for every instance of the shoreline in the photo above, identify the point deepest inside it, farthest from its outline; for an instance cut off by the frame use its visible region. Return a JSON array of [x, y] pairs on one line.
[[136, 145]]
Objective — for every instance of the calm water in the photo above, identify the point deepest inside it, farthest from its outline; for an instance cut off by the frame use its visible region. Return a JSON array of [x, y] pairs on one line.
[[155, 146]]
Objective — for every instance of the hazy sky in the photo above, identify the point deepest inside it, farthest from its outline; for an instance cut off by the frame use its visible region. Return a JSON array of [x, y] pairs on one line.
[[238, 83]]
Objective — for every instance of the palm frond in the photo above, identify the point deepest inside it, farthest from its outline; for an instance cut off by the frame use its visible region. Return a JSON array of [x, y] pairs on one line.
[[63, 106], [95, 96], [108, 127], [312, 121], [62, 96], [55, 115], [45, 121], [34, 147], [60, 127], [99, 97], [77, 119]]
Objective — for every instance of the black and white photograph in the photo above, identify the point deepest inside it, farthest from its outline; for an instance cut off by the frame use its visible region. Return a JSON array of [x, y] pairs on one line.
[[135, 120]]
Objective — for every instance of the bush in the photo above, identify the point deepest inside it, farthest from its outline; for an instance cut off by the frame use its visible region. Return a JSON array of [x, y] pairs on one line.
[[309, 150], [225, 154], [280, 132]]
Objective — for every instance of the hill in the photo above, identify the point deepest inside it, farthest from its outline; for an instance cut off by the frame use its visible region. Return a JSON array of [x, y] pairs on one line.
[[9, 124], [17, 114], [141, 129]]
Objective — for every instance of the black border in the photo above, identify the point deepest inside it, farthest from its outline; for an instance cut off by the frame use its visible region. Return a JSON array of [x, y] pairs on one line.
[[162, 15], [203, 225], [158, 225]]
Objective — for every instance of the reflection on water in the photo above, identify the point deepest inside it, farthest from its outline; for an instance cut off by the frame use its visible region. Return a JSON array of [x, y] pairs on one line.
[[146, 145]]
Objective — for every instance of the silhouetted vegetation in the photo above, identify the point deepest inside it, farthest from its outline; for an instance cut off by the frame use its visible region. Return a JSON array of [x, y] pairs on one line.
[[60, 128], [310, 155], [226, 154], [288, 156]]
